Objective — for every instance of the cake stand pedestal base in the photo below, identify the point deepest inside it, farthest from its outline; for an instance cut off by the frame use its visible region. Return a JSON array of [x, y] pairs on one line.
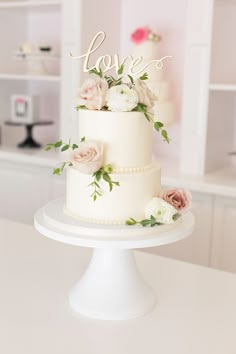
[[112, 288]]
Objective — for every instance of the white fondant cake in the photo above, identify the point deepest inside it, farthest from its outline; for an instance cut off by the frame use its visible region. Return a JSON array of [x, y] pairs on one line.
[[128, 200], [126, 136], [127, 139]]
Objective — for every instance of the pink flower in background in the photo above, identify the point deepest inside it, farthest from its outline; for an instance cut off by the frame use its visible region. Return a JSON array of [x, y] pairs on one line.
[[180, 199], [140, 35], [92, 93], [87, 158]]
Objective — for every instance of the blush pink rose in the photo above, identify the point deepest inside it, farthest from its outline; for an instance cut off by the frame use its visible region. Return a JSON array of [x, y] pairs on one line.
[[146, 96], [180, 199], [92, 93], [140, 35], [87, 158]]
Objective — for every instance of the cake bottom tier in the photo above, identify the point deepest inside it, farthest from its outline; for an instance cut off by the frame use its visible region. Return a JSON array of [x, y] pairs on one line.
[[127, 200]]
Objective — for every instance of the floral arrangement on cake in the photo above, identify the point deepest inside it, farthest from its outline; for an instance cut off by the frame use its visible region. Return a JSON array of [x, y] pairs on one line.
[[120, 94], [104, 92], [87, 157], [142, 34], [166, 208]]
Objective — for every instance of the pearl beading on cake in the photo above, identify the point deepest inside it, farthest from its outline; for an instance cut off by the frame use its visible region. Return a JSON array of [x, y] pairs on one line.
[[132, 169]]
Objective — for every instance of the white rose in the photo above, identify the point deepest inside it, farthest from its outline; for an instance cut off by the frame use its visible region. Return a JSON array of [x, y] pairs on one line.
[[145, 95], [121, 98], [162, 211]]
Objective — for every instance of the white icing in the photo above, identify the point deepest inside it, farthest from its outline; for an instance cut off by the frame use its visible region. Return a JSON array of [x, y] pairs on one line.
[[129, 200], [127, 136]]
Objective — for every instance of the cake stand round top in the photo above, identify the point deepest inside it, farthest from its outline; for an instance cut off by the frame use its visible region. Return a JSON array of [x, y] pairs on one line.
[[52, 222]]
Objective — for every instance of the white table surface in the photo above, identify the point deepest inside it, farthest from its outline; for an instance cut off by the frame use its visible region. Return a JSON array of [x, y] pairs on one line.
[[196, 311]]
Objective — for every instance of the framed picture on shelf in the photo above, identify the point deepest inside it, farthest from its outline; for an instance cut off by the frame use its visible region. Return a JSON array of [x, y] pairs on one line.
[[24, 109]]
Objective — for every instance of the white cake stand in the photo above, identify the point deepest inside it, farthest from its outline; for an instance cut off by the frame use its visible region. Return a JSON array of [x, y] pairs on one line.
[[111, 288]]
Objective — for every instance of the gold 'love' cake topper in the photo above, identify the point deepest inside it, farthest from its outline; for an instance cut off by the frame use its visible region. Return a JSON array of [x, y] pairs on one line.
[[106, 62]]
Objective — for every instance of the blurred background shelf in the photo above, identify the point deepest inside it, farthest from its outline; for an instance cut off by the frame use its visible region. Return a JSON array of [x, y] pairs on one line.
[[28, 4], [222, 87], [29, 77]]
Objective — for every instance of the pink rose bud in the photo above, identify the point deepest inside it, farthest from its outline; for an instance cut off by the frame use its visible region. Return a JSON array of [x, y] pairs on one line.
[[180, 199]]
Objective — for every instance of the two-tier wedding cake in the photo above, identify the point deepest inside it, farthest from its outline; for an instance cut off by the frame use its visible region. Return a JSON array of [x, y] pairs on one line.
[[111, 177]]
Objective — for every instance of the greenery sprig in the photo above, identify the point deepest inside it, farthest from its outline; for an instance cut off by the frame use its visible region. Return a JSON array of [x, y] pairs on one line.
[[103, 173], [158, 126], [141, 107], [62, 146], [149, 222], [58, 170]]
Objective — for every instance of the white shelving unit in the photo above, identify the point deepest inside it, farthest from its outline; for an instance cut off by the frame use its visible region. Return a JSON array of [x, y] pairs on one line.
[[23, 20], [62, 25], [208, 125]]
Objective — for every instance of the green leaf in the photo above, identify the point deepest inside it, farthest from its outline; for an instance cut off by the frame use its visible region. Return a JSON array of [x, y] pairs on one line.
[[158, 125], [106, 177], [96, 184], [65, 147], [152, 218], [63, 166], [96, 72], [70, 164], [145, 222], [82, 139], [110, 186], [80, 107], [147, 116], [144, 76], [131, 79], [116, 183], [98, 175], [58, 144], [165, 135], [48, 147], [94, 197], [57, 171], [120, 70], [74, 146]]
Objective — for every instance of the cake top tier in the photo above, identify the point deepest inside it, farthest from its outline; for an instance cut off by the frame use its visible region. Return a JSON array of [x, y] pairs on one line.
[[126, 137]]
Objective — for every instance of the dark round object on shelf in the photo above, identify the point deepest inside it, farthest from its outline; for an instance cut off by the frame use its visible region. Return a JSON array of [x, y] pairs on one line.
[[45, 49], [29, 142]]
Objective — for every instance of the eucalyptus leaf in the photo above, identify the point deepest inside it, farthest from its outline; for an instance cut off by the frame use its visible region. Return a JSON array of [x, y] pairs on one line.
[[65, 147], [58, 144], [120, 70], [106, 177]]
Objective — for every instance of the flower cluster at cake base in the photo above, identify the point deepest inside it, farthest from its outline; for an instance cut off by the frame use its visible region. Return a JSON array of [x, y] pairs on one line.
[[87, 157], [165, 209], [120, 94]]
